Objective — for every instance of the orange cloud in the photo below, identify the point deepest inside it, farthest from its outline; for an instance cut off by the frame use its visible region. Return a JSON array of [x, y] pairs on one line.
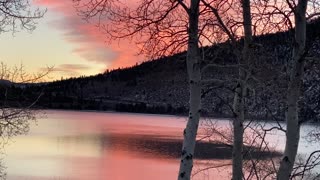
[[90, 42]]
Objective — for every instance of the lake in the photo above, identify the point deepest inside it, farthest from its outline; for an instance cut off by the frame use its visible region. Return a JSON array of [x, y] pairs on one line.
[[77, 145]]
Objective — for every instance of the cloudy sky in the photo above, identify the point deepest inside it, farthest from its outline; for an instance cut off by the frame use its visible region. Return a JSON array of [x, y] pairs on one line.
[[65, 41]]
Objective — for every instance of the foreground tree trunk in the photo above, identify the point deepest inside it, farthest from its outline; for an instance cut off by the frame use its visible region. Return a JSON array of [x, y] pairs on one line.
[[240, 93], [193, 67], [293, 94], [238, 107]]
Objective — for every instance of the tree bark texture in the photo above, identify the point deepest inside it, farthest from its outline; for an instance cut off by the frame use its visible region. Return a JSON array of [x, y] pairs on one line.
[[293, 94], [193, 67], [239, 97]]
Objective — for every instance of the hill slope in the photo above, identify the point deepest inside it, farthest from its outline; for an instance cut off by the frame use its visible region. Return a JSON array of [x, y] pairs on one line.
[[160, 86]]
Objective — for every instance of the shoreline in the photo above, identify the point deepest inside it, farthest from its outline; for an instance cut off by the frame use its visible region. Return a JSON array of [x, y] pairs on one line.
[[223, 118]]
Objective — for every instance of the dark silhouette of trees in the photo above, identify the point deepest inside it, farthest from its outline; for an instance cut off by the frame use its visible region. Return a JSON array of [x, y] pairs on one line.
[[16, 102], [14, 15]]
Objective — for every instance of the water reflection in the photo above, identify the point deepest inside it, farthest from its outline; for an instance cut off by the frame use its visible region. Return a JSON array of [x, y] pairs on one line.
[[87, 145], [160, 146]]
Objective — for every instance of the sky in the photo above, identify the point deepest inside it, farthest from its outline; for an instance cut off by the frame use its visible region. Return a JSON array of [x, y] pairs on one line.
[[63, 40]]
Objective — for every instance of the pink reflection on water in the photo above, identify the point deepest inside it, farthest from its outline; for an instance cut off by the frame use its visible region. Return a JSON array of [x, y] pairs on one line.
[[90, 145], [73, 145]]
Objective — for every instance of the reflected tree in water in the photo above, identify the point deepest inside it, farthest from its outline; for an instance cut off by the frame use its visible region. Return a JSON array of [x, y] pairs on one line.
[[16, 15], [17, 104]]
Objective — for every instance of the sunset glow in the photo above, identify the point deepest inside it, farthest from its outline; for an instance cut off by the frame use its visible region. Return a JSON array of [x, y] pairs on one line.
[[63, 40]]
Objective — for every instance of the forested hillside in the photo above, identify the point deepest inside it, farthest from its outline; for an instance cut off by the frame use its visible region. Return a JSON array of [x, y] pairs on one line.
[[160, 86]]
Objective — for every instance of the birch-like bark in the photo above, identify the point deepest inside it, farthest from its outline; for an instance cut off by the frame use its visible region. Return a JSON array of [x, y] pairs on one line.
[[193, 67], [293, 94], [240, 93]]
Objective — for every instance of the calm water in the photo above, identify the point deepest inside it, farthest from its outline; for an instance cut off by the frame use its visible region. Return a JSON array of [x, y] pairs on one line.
[[117, 146]]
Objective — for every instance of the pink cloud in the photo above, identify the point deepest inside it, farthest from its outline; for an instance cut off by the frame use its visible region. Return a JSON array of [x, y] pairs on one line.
[[90, 42], [69, 70]]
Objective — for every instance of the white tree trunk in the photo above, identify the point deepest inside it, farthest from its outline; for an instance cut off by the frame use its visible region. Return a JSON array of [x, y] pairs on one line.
[[240, 93], [293, 94], [193, 66]]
